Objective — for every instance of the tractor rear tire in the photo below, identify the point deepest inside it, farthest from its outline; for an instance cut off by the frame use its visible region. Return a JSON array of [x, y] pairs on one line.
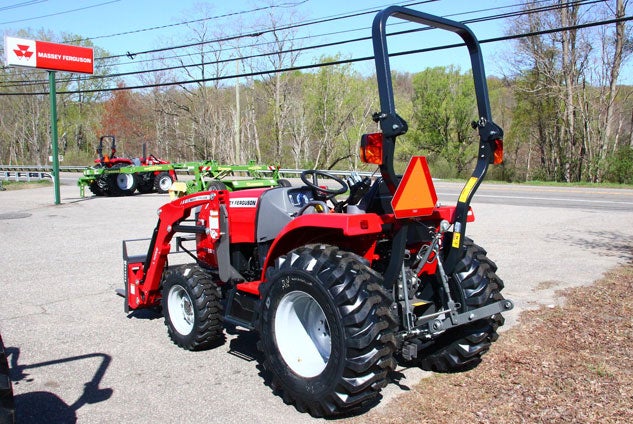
[[7, 403], [326, 331], [99, 186], [145, 182], [121, 184], [191, 304], [474, 284], [96, 188], [162, 182]]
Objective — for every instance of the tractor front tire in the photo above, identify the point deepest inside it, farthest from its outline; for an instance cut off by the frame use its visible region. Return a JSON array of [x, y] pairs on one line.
[[326, 331], [192, 309], [216, 185], [474, 284], [162, 182]]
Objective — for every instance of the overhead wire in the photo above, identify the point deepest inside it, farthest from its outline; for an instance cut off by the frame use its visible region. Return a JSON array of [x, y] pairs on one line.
[[265, 31], [492, 17], [337, 62], [319, 20], [60, 13], [331, 63], [21, 4], [233, 37], [193, 21], [486, 18]]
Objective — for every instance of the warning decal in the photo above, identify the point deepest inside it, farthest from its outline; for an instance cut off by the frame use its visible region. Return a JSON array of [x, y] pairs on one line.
[[415, 195]]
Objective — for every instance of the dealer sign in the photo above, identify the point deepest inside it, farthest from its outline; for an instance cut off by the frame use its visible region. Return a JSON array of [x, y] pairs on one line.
[[50, 56]]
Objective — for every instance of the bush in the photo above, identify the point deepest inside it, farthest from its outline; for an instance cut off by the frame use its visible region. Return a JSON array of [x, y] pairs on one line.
[[620, 167]]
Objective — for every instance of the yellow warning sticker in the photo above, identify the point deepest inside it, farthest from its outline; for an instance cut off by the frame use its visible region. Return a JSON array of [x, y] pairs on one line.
[[456, 239], [468, 188]]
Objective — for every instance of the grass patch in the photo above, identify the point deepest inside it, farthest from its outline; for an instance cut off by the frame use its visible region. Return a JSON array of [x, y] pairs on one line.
[[22, 185], [576, 184]]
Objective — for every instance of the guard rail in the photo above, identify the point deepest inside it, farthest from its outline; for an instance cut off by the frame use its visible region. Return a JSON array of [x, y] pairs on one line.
[[47, 169]]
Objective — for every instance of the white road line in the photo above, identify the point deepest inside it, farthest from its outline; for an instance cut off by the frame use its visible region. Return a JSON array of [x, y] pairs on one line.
[[554, 199]]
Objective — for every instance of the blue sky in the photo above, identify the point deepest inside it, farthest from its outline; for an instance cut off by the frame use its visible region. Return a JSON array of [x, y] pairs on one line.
[[104, 19]]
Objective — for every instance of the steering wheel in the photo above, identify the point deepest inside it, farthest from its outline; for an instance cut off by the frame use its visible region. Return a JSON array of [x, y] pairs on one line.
[[315, 186]]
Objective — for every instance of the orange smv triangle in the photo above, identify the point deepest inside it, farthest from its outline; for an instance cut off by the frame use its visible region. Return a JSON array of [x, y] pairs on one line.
[[415, 195]]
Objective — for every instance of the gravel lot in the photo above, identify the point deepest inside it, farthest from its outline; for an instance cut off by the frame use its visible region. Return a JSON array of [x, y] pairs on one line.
[[77, 357]]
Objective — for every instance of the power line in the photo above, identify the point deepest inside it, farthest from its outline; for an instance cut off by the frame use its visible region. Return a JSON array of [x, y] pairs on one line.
[[493, 17], [22, 4], [233, 37], [58, 13], [339, 62], [262, 32], [482, 19], [332, 44], [226, 15]]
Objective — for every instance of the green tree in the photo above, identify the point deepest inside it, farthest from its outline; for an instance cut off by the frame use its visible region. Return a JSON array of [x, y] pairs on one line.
[[444, 105], [125, 117]]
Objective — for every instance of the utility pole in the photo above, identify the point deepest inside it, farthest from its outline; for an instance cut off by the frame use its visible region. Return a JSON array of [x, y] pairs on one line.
[[53, 101], [237, 113]]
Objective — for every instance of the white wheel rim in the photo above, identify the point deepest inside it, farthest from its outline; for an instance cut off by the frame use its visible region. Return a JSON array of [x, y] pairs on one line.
[[302, 333], [164, 183], [124, 181], [180, 309]]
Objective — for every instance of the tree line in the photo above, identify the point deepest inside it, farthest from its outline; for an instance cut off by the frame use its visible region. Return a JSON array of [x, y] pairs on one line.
[[565, 115]]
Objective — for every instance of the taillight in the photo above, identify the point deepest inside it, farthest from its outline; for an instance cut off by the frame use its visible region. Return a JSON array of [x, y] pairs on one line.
[[498, 151], [371, 148]]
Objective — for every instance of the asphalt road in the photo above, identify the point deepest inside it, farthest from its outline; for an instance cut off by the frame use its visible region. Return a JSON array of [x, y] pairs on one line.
[[77, 357]]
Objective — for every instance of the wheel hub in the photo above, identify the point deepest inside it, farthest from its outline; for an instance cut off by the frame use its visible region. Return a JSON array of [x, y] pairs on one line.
[[165, 183], [180, 309], [124, 181], [302, 334]]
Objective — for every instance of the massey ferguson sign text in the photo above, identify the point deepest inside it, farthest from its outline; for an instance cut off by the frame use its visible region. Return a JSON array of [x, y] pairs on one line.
[[51, 56]]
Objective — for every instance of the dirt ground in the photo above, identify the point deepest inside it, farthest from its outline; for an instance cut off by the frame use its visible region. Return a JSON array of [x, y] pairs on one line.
[[563, 364]]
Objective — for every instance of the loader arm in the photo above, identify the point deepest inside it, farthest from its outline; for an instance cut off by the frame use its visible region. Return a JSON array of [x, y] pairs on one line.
[[143, 274]]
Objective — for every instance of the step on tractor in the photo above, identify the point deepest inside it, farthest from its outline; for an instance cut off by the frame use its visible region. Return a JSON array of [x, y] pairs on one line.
[[117, 176], [341, 279]]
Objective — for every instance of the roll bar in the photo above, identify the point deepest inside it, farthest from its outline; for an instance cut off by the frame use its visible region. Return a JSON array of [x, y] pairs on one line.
[[393, 125]]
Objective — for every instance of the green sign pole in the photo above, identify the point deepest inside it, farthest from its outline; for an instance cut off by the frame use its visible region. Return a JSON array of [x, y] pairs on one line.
[[53, 99]]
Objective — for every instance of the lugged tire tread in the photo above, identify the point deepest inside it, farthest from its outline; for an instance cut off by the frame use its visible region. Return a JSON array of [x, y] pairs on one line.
[[208, 329], [461, 349], [363, 307]]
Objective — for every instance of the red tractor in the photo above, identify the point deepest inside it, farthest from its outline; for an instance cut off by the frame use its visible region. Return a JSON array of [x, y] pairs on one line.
[[125, 175], [338, 290]]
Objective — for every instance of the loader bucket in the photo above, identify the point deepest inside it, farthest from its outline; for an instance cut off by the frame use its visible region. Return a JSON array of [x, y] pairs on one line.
[[133, 274]]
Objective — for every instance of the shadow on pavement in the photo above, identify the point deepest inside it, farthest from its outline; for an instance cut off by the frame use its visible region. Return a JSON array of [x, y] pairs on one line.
[[39, 407]]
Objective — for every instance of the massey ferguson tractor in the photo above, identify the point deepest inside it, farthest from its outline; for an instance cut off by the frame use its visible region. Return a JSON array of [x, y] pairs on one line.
[[342, 280], [118, 176]]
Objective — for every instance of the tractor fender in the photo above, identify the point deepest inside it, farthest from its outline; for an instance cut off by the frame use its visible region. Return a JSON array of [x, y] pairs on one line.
[[356, 233]]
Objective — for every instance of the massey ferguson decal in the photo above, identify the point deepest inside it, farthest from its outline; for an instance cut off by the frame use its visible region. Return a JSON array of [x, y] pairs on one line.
[[245, 202], [51, 56]]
